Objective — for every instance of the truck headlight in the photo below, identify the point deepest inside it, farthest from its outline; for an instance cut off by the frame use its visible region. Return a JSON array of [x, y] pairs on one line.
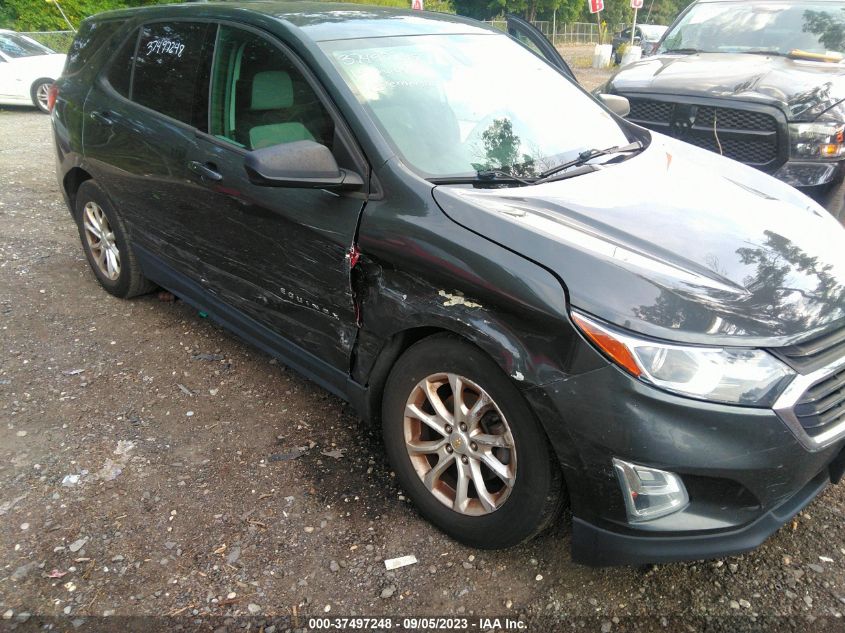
[[820, 140], [744, 376]]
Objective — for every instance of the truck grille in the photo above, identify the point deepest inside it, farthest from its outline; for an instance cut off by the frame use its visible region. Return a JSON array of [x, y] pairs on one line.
[[748, 136]]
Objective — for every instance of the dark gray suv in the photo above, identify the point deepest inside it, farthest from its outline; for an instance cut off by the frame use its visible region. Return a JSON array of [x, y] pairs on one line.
[[539, 302]]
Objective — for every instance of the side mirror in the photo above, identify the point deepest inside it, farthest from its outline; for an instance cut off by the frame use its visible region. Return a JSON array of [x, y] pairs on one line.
[[616, 104], [300, 164]]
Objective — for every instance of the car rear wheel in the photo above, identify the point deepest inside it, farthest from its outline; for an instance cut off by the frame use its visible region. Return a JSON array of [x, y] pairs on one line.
[[466, 447], [106, 244], [41, 94]]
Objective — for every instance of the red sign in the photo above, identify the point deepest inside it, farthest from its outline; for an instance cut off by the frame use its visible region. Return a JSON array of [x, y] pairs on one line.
[[636, 4], [596, 5], [417, 5]]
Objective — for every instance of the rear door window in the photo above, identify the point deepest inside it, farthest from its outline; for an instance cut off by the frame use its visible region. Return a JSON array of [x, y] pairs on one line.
[[172, 63]]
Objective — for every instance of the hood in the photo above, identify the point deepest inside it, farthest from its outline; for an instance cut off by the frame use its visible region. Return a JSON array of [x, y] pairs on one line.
[[50, 66], [676, 243], [801, 89]]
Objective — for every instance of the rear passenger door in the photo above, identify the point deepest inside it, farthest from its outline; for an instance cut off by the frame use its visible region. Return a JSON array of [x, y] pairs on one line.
[[278, 255], [141, 119]]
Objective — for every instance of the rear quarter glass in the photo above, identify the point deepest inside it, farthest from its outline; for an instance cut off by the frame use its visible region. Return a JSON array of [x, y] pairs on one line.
[[89, 39]]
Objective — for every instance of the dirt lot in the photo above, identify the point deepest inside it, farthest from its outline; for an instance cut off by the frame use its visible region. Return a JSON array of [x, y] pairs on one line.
[[149, 467]]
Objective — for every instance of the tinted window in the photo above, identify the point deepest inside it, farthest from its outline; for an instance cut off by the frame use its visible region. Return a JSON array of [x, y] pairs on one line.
[[171, 70], [120, 71], [89, 39], [259, 98]]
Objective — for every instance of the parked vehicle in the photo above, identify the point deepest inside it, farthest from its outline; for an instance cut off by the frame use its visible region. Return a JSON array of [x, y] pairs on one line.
[[646, 36], [536, 309], [759, 81], [27, 70]]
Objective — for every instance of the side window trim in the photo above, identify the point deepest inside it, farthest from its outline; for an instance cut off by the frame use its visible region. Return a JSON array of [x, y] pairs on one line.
[[138, 32], [341, 127]]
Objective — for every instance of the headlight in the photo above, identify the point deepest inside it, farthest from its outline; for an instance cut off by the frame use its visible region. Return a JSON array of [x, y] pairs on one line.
[[743, 376], [820, 140]]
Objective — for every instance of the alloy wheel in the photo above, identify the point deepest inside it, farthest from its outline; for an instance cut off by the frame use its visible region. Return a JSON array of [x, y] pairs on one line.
[[42, 95], [460, 444], [101, 240]]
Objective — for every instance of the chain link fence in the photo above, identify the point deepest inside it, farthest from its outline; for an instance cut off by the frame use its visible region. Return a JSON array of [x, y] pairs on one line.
[[563, 33], [59, 41]]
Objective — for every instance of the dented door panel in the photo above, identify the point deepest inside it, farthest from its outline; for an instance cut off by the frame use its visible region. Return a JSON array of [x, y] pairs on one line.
[[277, 254]]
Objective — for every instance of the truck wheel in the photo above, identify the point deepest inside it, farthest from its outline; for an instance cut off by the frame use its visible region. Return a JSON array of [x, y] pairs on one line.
[[466, 447]]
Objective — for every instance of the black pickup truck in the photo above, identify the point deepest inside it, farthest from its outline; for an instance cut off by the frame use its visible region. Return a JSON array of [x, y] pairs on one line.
[[762, 82]]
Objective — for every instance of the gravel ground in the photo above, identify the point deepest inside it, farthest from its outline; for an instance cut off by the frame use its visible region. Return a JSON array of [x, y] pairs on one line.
[[153, 465]]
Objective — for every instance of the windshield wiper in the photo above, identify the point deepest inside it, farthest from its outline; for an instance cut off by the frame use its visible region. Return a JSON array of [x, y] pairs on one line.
[[763, 52], [499, 175], [585, 157], [683, 51], [484, 176]]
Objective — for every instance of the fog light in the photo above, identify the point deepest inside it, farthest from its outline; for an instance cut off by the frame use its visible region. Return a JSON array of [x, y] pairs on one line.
[[649, 493]]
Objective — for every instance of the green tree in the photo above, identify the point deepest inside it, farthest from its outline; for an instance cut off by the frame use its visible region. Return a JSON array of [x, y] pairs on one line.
[[44, 15], [478, 9], [501, 150]]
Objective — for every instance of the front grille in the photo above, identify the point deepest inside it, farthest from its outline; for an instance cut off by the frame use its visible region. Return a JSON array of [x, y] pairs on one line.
[[823, 404], [814, 354], [650, 111], [813, 404], [748, 136], [732, 119]]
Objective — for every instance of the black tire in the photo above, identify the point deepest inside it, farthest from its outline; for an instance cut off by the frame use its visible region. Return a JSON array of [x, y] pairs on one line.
[[34, 91], [129, 282], [534, 500]]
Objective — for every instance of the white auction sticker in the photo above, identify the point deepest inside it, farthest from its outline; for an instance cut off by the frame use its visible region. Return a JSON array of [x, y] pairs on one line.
[[402, 561]]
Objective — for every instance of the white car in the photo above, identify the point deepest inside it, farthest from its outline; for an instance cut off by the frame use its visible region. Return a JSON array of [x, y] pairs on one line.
[[27, 70]]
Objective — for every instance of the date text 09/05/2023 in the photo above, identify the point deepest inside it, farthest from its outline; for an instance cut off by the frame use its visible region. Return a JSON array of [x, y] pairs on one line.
[[415, 623]]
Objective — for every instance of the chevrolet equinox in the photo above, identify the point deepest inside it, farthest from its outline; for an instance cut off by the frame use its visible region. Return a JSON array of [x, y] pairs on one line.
[[539, 302]]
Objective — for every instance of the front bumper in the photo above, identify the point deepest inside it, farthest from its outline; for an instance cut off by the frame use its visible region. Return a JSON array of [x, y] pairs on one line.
[[595, 546], [744, 469]]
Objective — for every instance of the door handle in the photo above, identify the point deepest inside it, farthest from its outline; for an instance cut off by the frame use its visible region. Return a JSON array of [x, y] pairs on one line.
[[205, 170], [104, 117]]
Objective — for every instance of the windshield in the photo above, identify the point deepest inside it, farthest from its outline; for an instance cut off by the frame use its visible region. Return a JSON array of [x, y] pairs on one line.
[[777, 27], [20, 46], [452, 105]]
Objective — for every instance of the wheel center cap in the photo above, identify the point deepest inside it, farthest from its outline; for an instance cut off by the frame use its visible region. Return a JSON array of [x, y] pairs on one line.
[[458, 442]]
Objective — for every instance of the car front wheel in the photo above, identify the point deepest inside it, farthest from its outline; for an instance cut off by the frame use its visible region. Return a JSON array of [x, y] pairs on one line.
[[466, 447]]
